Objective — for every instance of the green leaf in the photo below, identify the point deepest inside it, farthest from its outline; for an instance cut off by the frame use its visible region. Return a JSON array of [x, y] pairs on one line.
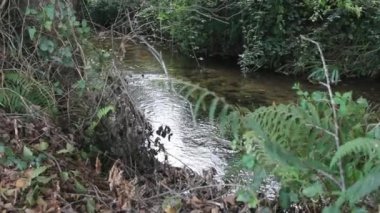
[[91, 205], [47, 45], [313, 190], [331, 209], [362, 187], [69, 149], [30, 11], [31, 196], [42, 146], [20, 164], [44, 179], [79, 187], [48, 25], [212, 109], [359, 210], [27, 153], [2, 148], [64, 176], [361, 144], [32, 32], [248, 161], [284, 199], [248, 198], [49, 11], [38, 171]]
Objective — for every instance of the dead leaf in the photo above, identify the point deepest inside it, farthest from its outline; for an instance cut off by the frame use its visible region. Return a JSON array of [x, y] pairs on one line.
[[196, 202], [29, 211], [230, 199], [22, 183], [215, 210], [115, 176], [98, 166], [170, 209]]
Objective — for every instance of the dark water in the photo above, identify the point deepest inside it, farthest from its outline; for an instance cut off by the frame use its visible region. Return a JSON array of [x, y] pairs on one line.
[[198, 145]]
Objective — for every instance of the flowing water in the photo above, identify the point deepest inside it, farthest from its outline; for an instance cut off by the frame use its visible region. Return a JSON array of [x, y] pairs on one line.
[[197, 145]]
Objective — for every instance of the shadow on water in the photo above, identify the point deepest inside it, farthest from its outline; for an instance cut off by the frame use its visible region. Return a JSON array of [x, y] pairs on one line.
[[198, 146]]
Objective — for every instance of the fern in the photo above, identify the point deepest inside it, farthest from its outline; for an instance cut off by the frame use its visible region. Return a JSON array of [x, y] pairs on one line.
[[361, 188], [101, 113], [20, 92], [366, 146]]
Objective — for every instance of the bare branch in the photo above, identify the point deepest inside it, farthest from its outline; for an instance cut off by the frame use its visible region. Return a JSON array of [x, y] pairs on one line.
[[333, 107]]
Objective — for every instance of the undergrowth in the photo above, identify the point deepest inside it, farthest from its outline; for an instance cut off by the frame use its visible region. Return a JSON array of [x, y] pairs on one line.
[[324, 149]]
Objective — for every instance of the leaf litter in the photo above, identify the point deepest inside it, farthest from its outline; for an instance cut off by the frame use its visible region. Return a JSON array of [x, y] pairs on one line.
[[41, 170]]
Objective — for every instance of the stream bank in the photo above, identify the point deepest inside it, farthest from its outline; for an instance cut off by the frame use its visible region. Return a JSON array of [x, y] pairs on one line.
[[43, 169]]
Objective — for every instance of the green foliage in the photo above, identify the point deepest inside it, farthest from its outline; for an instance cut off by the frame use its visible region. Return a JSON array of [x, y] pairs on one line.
[[22, 160], [57, 34], [296, 144], [106, 12], [101, 113], [20, 92], [347, 29]]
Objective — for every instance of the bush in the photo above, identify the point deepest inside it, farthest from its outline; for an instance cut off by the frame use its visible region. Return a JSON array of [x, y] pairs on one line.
[[348, 30]]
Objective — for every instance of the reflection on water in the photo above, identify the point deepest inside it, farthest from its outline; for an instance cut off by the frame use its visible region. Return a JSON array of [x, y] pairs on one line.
[[224, 78], [198, 146], [193, 145]]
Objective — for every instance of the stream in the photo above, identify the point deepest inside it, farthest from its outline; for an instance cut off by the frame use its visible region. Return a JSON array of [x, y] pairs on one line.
[[197, 144]]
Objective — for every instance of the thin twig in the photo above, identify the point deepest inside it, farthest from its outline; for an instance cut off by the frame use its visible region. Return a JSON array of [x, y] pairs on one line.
[[333, 108]]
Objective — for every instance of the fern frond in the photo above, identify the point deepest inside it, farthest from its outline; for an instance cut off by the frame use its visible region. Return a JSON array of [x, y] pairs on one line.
[[102, 112], [21, 91], [212, 109], [366, 146], [362, 187]]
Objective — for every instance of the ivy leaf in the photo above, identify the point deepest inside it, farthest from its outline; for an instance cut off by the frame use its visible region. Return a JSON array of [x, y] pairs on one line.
[[47, 45], [48, 25], [32, 32], [49, 11]]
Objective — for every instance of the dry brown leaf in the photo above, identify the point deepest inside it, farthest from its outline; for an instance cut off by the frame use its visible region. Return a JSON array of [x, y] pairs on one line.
[[98, 166], [28, 173], [196, 202], [170, 209], [215, 210], [21, 183], [8, 206], [115, 176], [30, 211], [230, 199]]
